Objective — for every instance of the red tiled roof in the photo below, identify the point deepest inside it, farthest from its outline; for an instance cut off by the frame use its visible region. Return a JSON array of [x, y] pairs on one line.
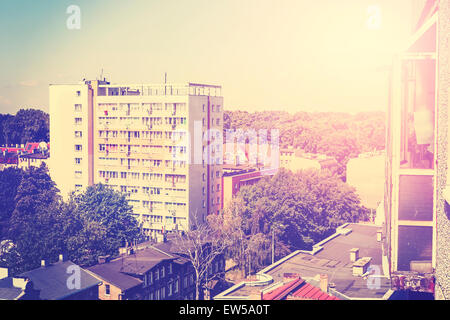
[[300, 289]]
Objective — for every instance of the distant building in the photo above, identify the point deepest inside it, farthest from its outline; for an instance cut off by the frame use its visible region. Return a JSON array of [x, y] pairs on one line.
[[366, 175], [24, 156], [148, 141], [235, 177], [417, 230], [348, 265], [62, 280], [296, 159]]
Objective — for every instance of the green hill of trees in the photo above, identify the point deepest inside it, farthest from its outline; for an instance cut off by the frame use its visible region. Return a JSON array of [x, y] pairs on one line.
[[340, 135]]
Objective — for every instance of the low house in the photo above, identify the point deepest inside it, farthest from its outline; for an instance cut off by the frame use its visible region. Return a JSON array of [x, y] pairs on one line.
[[143, 274], [62, 280]]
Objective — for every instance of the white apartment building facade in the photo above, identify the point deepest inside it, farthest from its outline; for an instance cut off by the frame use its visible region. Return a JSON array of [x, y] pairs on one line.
[[160, 144]]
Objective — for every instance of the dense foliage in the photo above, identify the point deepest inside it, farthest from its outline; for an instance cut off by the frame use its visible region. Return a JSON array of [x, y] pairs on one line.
[[340, 135], [28, 125], [40, 225], [299, 209]]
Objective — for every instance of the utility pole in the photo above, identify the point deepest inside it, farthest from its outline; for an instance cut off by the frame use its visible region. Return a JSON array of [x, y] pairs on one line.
[[273, 245]]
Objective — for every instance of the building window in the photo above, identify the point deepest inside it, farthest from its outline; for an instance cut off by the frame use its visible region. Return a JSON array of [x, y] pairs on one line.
[[218, 108], [78, 121], [417, 118], [77, 160], [78, 174], [107, 289], [78, 107], [78, 93], [203, 108], [78, 134], [175, 290], [414, 245], [78, 147]]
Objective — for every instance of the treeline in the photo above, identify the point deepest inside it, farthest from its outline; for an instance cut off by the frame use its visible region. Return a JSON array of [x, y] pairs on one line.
[[340, 135], [28, 125]]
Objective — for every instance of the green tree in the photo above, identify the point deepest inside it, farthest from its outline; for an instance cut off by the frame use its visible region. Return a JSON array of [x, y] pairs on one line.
[[300, 209], [101, 221], [28, 125], [10, 179], [34, 223]]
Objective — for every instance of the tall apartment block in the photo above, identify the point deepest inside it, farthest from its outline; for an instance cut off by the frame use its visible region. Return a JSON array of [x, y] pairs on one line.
[[417, 229], [159, 144]]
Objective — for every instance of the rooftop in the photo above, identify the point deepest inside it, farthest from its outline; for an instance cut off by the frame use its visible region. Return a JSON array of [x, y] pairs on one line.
[[51, 280], [124, 272], [331, 257]]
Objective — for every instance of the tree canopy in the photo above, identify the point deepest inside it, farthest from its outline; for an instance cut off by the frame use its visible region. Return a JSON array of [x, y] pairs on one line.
[[340, 135], [299, 209], [28, 125], [101, 222]]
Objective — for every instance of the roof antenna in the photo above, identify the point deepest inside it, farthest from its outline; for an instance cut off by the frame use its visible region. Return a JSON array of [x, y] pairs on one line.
[[165, 82]]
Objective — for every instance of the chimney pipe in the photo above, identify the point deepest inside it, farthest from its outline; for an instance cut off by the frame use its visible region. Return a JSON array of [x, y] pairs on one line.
[[354, 254], [4, 273], [324, 283]]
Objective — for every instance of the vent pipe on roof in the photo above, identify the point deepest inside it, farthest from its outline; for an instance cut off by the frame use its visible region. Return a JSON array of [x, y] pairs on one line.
[[4, 273], [354, 254], [379, 235], [324, 283]]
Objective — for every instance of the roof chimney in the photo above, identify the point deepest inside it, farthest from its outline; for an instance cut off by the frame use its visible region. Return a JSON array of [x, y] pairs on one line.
[[354, 254], [43, 263], [20, 283], [4, 273], [324, 283], [103, 259], [379, 235]]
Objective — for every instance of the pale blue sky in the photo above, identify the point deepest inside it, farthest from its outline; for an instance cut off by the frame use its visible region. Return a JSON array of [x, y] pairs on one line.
[[267, 54]]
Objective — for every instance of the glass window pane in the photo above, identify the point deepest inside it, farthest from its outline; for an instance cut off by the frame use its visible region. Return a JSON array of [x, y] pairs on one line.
[[416, 198]]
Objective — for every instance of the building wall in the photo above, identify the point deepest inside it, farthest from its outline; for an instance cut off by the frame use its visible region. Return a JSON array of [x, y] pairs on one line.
[[443, 166], [62, 165], [366, 175], [119, 135]]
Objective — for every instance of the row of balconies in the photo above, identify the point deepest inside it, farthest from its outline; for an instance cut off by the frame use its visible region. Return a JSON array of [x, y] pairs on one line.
[[147, 141], [142, 183]]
